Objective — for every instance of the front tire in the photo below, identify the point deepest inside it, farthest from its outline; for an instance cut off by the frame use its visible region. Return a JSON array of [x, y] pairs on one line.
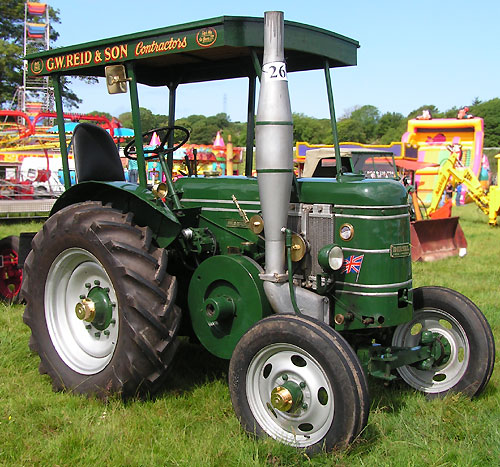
[[317, 367], [465, 335], [100, 304]]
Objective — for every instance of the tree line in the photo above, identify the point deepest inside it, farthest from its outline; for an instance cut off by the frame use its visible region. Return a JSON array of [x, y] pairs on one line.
[[203, 129], [364, 124]]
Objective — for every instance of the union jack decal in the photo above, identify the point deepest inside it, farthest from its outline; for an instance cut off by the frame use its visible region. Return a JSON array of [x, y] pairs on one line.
[[353, 264]]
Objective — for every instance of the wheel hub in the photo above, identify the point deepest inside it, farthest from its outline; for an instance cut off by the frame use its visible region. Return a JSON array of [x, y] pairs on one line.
[[85, 310], [286, 398], [440, 351], [219, 309], [96, 307]]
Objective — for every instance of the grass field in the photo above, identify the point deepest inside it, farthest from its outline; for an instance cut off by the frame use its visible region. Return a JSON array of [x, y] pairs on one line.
[[192, 422]]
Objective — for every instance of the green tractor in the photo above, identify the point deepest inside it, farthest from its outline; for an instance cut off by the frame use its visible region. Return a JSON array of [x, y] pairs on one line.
[[305, 284]]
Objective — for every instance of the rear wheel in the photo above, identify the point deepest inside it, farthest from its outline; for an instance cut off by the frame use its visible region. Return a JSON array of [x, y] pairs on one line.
[[100, 304], [10, 274], [298, 381], [467, 348]]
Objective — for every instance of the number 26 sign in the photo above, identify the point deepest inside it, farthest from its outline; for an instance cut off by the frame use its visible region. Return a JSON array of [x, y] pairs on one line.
[[275, 71]]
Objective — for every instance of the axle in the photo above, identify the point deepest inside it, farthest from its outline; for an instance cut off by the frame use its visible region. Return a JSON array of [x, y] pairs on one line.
[[433, 351]]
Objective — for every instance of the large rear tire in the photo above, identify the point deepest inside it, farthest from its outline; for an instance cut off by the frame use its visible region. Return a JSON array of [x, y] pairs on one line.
[[466, 338], [100, 304], [287, 356]]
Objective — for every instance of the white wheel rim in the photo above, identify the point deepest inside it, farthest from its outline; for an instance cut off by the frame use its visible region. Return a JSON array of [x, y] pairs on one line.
[[80, 345], [442, 377], [306, 426]]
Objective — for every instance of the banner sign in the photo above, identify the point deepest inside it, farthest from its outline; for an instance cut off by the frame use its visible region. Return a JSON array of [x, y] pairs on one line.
[[133, 49]]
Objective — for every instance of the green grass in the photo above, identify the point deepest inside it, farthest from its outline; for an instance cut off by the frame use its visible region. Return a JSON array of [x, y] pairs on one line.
[[7, 229], [192, 422]]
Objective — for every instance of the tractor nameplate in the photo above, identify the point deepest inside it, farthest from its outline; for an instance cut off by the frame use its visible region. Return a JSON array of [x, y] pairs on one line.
[[236, 224], [400, 250]]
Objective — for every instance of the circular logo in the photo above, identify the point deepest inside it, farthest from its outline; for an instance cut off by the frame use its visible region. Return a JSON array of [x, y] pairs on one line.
[[36, 66], [206, 37]]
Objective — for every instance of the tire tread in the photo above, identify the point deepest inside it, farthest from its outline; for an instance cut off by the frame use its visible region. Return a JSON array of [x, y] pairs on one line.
[[149, 318]]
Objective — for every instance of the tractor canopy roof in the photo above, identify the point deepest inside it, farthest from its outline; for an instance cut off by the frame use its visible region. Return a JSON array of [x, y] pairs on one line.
[[211, 49]]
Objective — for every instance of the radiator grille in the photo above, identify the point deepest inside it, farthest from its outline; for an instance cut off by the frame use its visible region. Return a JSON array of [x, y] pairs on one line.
[[315, 222]]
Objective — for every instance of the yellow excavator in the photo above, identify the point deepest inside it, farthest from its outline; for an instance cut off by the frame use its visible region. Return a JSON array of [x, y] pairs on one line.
[[454, 172]]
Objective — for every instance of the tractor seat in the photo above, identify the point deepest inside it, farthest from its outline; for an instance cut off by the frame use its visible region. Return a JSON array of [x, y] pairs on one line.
[[96, 155]]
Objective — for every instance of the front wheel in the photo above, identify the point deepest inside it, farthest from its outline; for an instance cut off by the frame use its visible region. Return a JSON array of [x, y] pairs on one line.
[[298, 381], [467, 348]]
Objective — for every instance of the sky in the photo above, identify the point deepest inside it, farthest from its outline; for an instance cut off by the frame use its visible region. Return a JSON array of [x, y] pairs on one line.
[[431, 52]]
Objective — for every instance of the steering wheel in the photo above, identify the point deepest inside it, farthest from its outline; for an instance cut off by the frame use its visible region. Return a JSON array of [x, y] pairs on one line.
[[130, 150]]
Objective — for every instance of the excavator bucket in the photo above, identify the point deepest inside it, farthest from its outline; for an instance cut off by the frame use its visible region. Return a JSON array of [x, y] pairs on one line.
[[433, 239]]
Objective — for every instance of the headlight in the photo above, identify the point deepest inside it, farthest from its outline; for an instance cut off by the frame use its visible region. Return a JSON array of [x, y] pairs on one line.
[[331, 258]]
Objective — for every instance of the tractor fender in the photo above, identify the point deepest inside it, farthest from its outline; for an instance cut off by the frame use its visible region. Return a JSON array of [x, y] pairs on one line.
[[128, 197]]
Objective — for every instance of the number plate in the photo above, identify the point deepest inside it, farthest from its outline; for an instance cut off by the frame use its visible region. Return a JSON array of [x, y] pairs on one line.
[[400, 250]]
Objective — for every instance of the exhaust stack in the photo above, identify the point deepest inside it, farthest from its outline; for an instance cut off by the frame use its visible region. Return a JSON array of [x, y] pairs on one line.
[[274, 161], [274, 145]]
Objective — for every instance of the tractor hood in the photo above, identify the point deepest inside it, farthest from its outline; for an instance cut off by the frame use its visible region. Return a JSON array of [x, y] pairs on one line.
[[364, 192]]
